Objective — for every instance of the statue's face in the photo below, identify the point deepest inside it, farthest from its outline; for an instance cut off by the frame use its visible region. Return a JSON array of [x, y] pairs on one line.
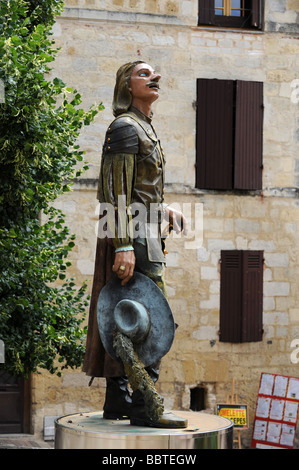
[[144, 83]]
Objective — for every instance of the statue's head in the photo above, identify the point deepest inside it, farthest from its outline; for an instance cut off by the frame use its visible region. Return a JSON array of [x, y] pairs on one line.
[[122, 98]]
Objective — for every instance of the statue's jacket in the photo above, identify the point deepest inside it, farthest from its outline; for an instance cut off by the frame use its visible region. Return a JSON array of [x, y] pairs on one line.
[[132, 166]]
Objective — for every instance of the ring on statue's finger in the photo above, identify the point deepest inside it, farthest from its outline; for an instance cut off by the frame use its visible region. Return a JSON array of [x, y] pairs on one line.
[[122, 268]]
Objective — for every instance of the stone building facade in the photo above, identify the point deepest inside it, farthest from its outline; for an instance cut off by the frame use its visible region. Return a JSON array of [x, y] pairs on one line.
[[97, 36]]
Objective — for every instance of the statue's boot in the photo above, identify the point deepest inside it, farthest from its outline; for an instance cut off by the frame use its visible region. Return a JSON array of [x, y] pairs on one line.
[[139, 417], [118, 400]]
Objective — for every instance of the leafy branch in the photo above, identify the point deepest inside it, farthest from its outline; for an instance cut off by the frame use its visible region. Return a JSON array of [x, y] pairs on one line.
[[40, 122]]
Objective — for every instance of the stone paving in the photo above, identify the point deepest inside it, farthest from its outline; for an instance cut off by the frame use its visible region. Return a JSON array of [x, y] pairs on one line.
[[24, 441]]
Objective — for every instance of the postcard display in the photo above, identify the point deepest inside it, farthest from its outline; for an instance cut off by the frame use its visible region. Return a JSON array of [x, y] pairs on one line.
[[276, 412]]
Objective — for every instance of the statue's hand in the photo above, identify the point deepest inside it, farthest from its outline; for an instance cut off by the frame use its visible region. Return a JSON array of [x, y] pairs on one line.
[[124, 264]]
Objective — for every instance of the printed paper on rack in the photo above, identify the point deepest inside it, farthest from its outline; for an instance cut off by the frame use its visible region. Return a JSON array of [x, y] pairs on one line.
[[266, 386], [263, 407]]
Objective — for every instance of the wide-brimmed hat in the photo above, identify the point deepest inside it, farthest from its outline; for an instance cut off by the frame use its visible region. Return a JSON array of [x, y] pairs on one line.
[[140, 311]]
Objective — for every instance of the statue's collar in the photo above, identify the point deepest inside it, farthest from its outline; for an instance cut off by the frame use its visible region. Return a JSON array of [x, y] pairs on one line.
[[141, 115]]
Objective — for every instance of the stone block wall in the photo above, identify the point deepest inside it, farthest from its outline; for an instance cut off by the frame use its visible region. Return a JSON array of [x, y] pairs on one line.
[[97, 36]]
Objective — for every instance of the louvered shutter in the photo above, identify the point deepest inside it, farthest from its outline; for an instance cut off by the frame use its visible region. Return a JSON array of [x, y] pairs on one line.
[[241, 296], [252, 328], [248, 135], [214, 145], [231, 296]]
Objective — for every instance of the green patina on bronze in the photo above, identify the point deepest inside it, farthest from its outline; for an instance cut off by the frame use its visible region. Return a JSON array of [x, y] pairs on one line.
[[138, 377]]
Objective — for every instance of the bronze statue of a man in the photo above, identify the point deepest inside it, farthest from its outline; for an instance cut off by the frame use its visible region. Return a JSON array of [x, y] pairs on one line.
[[132, 172]]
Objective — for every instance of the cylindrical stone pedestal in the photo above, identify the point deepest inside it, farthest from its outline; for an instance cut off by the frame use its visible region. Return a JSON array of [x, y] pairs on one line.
[[91, 431]]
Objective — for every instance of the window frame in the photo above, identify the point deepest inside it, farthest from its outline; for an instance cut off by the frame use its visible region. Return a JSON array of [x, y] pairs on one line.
[[253, 20], [228, 8]]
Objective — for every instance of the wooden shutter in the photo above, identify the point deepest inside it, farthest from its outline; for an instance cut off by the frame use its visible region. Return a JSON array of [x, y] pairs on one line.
[[241, 296], [206, 12], [231, 296], [248, 135], [252, 328], [256, 16], [214, 145]]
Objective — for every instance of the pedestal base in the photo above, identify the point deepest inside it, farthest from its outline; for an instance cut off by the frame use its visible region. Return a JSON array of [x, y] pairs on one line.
[[91, 431]]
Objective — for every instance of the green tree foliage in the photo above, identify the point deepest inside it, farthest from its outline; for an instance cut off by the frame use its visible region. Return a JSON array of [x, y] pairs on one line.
[[41, 324]]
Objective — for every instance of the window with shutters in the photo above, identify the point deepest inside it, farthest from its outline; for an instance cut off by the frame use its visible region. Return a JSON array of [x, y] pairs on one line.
[[229, 134], [241, 296], [245, 14]]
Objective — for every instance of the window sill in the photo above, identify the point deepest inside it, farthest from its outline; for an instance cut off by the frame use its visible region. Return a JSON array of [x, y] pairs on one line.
[[225, 28], [181, 188]]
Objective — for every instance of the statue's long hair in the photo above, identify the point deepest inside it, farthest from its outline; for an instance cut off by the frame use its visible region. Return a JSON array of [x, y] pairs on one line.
[[122, 98]]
